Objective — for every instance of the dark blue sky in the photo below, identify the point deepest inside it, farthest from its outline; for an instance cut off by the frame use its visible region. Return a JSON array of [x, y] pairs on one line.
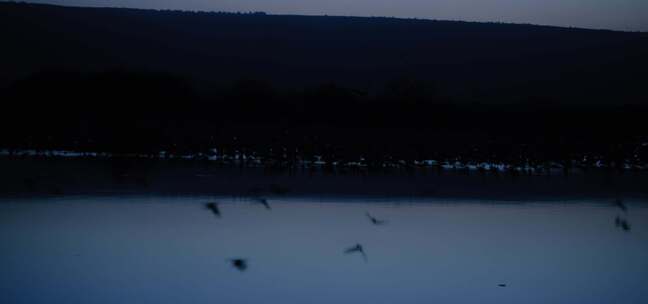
[[607, 14]]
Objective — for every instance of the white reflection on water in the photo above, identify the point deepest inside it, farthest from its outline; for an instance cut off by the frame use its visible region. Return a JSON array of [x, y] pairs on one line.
[[174, 250]]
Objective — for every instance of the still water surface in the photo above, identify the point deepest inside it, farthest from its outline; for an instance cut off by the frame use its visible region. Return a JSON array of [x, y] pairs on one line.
[[173, 249]]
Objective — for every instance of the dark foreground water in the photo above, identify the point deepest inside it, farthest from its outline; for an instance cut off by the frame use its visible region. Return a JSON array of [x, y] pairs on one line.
[[173, 249]]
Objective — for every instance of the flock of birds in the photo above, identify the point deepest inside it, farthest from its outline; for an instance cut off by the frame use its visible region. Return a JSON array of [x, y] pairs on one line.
[[241, 264]]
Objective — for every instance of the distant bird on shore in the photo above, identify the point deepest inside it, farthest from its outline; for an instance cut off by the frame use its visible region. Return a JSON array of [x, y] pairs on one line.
[[619, 203], [263, 202], [213, 207], [356, 248], [240, 264], [374, 220]]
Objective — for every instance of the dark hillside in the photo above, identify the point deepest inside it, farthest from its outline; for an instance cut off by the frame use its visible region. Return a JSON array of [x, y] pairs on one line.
[[472, 61], [289, 88]]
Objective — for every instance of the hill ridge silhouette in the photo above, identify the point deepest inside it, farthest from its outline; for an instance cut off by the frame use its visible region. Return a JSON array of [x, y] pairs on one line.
[[291, 51]]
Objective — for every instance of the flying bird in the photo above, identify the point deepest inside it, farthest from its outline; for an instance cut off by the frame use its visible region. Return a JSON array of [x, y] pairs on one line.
[[625, 225], [213, 207], [240, 264], [374, 220], [263, 202], [356, 248], [619, 203], [622, 223]]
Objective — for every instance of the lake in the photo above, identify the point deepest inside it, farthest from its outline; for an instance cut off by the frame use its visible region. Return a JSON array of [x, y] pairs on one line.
[[176, 248]]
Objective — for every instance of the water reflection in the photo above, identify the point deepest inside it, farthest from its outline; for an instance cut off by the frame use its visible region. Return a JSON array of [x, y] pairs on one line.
[[55, 190], [277, 189], [30, 184], [161, 249], [35, 185], [274, 189]]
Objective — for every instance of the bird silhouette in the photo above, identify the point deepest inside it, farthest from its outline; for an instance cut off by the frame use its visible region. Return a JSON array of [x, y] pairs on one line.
[[263, 202], [213, 207], [622, 223], [619, 203], [625, 225], [239, 264], [356, 248], [374, 220]]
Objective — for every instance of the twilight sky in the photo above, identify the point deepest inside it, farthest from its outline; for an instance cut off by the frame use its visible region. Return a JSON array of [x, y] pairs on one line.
[[631, 15]]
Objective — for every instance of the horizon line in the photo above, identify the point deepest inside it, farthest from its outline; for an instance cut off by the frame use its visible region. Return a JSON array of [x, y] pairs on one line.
[[322, 15]]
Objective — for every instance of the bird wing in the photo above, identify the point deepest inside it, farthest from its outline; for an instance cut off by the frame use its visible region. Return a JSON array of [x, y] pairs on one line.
[[352, 249]]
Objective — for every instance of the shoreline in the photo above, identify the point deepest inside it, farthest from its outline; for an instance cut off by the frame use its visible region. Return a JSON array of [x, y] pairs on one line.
[[319, 162], [70, 177]]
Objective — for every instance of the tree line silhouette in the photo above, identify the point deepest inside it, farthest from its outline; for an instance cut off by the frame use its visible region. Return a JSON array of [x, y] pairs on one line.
[[134, 111]]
